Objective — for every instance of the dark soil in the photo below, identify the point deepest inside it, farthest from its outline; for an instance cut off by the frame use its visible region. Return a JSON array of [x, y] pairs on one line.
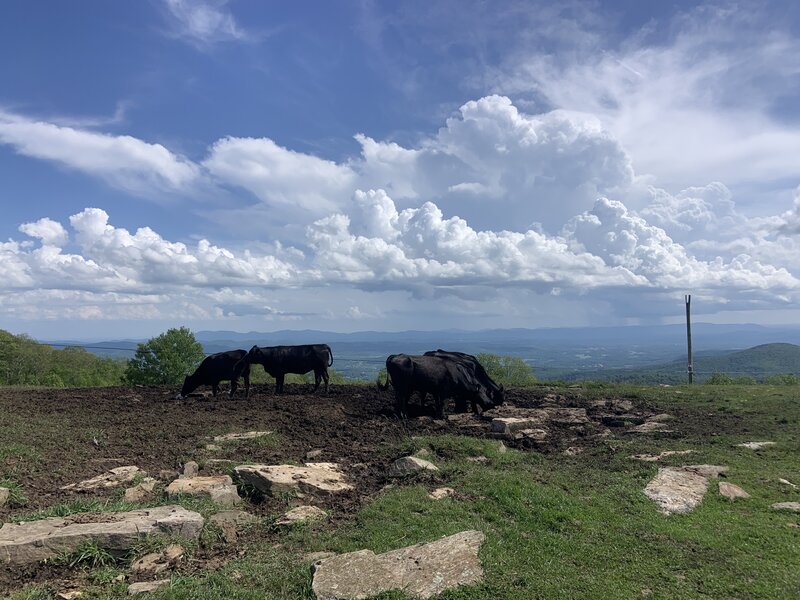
[[80, 433]]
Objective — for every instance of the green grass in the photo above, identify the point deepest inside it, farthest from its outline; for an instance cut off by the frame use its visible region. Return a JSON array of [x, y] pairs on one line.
[[569, 526]]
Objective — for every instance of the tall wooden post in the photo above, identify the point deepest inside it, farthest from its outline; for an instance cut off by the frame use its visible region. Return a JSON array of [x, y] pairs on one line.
[[688, 299]]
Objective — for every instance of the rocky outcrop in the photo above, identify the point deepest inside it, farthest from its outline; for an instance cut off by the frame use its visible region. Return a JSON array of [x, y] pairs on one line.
[[313, 478], [420, 571], [33, 541]]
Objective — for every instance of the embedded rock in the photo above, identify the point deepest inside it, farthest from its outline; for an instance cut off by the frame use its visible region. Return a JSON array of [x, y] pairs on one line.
[[755, 445], [510, 425], [236, 437], [113, 478], [442, 492], [34, 541], [732, 491], [410, 464], [143, 587], [313, 478], [301, 514], [5, 494], [676, 490], [190, 469], [420, 571], [650, 427], [793, 506], [655, 457], [708, 471], [219, 488], [140, 492]]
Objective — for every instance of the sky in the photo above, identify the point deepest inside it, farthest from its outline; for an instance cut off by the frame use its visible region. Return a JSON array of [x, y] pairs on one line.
[[380, 165]]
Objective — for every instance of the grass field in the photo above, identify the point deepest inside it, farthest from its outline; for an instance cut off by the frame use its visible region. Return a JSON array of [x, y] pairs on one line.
[[557, 526]]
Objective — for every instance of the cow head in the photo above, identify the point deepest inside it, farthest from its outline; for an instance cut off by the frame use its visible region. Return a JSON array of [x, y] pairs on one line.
[[188, 387], [498, 395]]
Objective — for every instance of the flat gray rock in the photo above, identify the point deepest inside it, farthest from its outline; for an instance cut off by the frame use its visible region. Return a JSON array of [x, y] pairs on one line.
[[301, 514], [143, 587], [34, 541], [676, 490], [755, 445], [420, 571], [5, 494], [313, 478], [659, 456], [792, 506]]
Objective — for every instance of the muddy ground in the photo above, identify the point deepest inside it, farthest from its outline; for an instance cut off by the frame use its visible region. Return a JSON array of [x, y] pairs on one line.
[[64, 436]]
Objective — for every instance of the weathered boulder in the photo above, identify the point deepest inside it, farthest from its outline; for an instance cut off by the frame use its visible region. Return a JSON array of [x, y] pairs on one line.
[[113, 478], [236, 437], [420, 571], [33, 541], [190, 469], [510, 425], [301, 514], [793, 506], [731, 491], [408, 465], [313, 478], [144, 587], [5, 494], [219, 488]]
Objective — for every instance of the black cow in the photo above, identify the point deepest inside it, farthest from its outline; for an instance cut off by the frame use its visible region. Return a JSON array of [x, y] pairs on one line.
[[443, 378], [495, 392], [215, 368], [280, 360]]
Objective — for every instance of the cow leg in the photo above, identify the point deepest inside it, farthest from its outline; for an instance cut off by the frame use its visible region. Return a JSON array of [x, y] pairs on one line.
[[438, 402], [401, 403], [461, 405], [246, 385], [325, 377], [317, 379], [279, 383], [234, 386]]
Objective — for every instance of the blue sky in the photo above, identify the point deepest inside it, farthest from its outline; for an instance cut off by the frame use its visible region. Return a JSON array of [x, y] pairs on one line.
[[381, 165]]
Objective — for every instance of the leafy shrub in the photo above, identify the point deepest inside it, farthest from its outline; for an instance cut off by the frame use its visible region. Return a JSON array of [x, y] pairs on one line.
[[719, 379], [783, 379], [165, 359], [745, 380], [507, 370]]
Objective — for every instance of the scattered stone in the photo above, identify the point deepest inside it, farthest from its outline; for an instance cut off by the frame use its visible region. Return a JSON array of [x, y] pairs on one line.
[[650, 427], [732, 491], [477, 459], [787, 482], [442, 492], [660, 418], [113, 478], [676, 490], [510, 425], [33, 541], [190, 469], [311, 454], [655, 457], [236, 437], [313, 478], [408, 465], [622, 405], [5, 494], [70, 595], [573, 451], [236, 517], [140, 492], [302, 514], [213, 447], [421, 571], [536, 435], [755, 445], [219, 488], [793, 506], [158, 562], [147, 586]]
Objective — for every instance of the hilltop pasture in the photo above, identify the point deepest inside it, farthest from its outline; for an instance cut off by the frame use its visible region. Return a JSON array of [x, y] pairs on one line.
[[564, 517]]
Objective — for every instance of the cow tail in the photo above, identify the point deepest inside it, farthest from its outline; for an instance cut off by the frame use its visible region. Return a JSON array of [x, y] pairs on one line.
[[330, 355]]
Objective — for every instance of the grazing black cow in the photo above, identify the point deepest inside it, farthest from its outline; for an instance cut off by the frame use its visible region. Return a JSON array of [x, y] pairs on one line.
[[441, 377], [215, 368], [495, 392], [280, 360]]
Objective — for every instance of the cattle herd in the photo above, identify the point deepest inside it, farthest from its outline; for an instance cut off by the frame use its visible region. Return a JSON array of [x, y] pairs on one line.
[[442, 374]]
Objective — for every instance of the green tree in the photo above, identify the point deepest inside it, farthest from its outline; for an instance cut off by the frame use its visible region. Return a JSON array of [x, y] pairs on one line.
[[165, 359], [507, 370], [719, 379], [783, 379]]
